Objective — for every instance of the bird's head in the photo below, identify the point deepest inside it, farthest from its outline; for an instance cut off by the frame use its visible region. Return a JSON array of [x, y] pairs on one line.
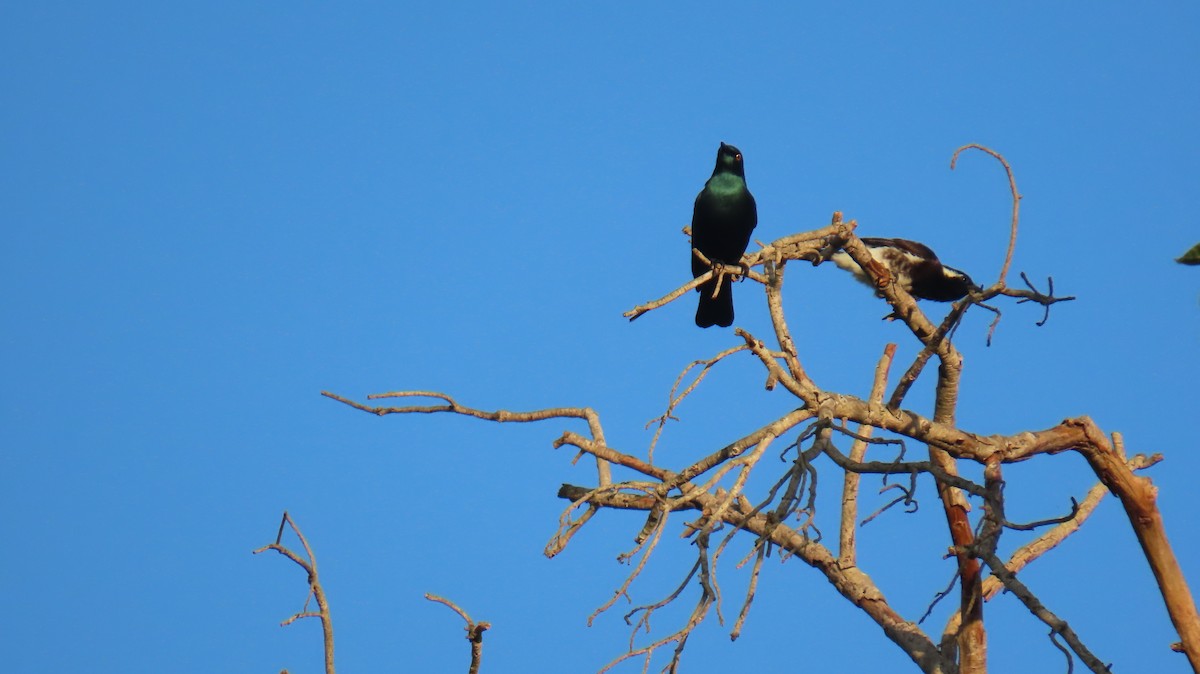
[[959, 280], [729, 160]]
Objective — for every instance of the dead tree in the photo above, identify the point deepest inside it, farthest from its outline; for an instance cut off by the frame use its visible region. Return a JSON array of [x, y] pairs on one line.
[[712, 493]]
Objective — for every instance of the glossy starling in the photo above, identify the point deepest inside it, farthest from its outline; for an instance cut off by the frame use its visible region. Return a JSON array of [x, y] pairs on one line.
[[724, 216]]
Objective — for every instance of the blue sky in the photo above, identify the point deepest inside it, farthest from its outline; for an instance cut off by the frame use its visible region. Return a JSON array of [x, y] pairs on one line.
[[213, 211]]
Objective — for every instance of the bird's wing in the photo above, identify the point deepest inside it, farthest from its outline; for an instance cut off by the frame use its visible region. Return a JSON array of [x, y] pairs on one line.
[[911, 247]]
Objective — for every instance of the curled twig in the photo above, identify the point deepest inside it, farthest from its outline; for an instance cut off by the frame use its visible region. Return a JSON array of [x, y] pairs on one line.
[[1041, 523], [906, 497], [1016, 202], [1063, 649]]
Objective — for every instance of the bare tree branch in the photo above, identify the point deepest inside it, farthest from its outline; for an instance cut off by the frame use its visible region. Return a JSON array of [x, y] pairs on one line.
[[315, 590], [474, 630], [778, 510], [673, 401], [1139, 498], [853, 584], [501, 416], [1016, 202], [1056, 624]]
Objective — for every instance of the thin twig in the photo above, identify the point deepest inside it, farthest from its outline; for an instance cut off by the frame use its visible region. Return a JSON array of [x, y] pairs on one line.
[[939, 597], [751, 588], [673, 401], [1057, 625], [1046, 522], [500, 416], [1034, 295], [1016, 202]]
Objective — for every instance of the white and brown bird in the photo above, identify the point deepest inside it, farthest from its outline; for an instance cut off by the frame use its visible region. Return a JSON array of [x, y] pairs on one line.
[[914, 266]]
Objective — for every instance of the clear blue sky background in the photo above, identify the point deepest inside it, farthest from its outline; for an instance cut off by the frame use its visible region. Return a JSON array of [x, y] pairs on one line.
[[213, 211]]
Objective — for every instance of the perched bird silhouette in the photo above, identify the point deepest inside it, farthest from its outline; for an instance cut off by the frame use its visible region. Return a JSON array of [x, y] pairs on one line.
[[722, 220], [914, 266]]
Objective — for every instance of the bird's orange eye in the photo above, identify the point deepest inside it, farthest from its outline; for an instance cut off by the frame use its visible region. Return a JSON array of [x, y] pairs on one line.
[[738, 156]]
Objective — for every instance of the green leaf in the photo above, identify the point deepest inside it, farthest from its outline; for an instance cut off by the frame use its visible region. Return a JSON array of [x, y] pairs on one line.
[[1191, 257]]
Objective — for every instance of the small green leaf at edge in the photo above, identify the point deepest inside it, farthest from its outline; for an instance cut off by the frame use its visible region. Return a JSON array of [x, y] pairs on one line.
[[1191, 257]]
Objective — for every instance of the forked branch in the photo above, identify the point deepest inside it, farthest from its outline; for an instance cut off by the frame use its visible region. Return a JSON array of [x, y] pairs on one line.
[[315, 591]]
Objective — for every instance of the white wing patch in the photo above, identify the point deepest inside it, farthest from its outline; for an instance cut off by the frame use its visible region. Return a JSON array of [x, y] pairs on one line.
[[898, 262]]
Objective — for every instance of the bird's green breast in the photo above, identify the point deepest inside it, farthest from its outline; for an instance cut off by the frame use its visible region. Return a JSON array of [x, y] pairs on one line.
[[726, 183]]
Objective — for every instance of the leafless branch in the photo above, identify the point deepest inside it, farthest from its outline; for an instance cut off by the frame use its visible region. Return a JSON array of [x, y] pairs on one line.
[[906, 497], [718, 269], [850, 582], [636, 312], [623, 590], [1046, 522], [939, 597], [718, 489], [474, 630], [1016, 202], [674, 400], [1052, 537], [315, 591], [1078, 435], [1056, 624], [1030, 295], [944, 329], [500, 416], [643, 622], [1034, 295], [846, 543], [751, 588]]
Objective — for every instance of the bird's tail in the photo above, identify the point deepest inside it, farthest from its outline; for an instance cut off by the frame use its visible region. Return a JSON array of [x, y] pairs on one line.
[[715, 310]]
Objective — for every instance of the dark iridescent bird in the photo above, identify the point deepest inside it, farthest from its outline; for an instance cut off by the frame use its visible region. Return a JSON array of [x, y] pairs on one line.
[[914, 266], [722, 220]]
